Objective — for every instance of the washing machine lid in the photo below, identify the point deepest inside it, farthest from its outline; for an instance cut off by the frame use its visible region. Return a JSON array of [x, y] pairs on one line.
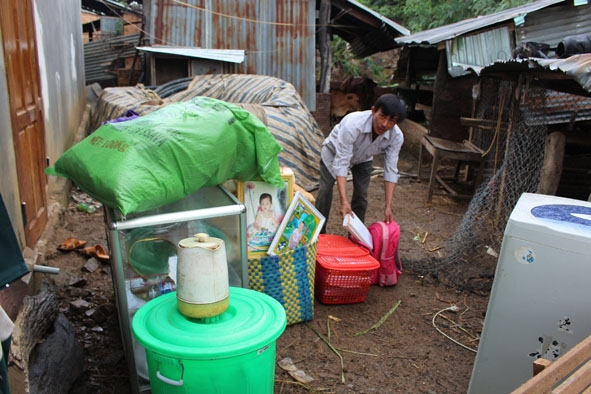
[[555, 221]]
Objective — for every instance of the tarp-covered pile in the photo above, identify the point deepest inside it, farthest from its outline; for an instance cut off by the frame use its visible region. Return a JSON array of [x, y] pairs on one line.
[[274, 101]]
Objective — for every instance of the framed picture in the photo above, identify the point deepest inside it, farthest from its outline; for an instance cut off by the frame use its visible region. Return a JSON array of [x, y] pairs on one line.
[[265, 208], [300, 226]]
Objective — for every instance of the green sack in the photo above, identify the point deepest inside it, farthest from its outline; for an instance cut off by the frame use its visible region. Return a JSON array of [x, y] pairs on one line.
[[161, 157]]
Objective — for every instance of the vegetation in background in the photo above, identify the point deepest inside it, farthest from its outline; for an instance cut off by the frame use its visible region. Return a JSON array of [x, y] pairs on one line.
[[118, 27], [419, 15], [342, 59], [415, 15], [345, 65]]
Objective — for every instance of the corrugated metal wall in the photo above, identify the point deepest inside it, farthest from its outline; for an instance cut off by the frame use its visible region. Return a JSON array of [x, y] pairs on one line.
[[278, 36], [551, 25], [478, 50], [99, 56]]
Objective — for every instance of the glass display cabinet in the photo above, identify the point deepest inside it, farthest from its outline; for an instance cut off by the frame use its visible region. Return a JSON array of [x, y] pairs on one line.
[[143, 256]]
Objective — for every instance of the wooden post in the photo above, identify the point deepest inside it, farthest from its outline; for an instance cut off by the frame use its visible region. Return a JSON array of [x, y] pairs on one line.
[[553, 161], [514, 113], [324, 46]]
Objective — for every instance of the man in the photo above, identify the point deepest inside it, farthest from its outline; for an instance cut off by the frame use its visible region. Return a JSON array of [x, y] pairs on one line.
[[352, 144]]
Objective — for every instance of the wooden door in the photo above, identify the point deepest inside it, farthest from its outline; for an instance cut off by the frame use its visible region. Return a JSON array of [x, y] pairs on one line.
[[26, 111]]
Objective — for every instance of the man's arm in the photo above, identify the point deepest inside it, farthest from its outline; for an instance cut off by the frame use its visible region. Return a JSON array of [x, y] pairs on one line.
[[389, 192], [345, 204]]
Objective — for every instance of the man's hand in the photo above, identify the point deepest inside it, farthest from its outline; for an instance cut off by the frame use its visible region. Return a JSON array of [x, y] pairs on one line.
[[388, 215], [389, 194], [346, 209]]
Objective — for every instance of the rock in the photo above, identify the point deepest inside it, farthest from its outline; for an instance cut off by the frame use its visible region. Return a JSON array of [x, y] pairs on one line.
[[77, 281], [97, 315], [80, 305], [92, 265], [76, 292]]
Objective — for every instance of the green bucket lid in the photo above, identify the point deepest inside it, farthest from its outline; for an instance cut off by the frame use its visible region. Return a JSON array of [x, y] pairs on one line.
[[252, 320]]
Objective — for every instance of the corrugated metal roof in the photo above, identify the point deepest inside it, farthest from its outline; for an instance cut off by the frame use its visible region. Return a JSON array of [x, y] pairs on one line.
[[447, 32], [576, 67], [224, 55], [366, 31], [399, 28], [110, 7]]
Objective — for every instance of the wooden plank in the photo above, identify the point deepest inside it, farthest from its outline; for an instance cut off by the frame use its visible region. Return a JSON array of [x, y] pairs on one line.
[[552, 375], [540, 364], [485, 124], [577, 382]]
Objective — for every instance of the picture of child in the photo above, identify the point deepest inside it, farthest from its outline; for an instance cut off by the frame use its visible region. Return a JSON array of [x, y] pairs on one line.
[[300, 227], [262, 231], [265, 218], [296, 235]]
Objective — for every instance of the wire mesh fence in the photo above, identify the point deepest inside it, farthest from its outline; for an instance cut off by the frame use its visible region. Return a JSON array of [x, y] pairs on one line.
[[514, 148]]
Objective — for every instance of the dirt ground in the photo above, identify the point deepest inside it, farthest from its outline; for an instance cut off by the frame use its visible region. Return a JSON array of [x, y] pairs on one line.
[[421, 347]]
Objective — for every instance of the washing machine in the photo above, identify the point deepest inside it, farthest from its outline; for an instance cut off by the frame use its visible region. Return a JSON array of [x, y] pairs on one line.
[[540, 301]]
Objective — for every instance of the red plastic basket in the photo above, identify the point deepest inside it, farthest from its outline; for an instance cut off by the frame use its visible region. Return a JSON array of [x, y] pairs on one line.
[[343, 279], [337, 245]]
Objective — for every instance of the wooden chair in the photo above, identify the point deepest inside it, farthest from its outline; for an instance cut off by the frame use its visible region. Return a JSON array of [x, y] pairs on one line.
[[462, 152]]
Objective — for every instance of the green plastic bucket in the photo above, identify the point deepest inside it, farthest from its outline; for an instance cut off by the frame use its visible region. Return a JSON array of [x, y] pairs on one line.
[[231, 353]]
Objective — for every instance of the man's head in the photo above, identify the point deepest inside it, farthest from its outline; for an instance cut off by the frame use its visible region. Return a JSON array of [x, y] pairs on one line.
[[387, 111]]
